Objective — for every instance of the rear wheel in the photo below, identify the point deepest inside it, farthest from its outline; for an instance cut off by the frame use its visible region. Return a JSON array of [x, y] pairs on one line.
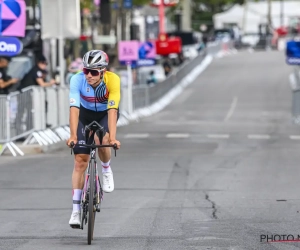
[[91, 216]]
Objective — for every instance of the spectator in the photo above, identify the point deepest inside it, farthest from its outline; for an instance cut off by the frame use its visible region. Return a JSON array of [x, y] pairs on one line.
[[5, 80], [167, 66], [75, 67], [151, 79], [37, 75], [180, 58]]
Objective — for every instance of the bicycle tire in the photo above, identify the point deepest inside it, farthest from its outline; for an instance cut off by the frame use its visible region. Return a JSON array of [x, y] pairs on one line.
[[91, 218]]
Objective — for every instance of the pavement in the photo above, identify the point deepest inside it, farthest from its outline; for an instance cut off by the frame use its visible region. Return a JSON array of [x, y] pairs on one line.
[[216, 169]]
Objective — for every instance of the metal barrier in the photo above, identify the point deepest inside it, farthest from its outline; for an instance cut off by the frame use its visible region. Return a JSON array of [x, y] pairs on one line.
[[295, 86], [25, 115]]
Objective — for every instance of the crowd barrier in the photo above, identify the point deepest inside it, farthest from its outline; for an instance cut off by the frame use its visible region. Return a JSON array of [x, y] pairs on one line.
[[39, 115], [295, 86], [35, 115]]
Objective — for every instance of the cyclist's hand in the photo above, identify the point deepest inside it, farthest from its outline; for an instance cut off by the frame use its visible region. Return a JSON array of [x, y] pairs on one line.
[[72, 139], [113, 142]]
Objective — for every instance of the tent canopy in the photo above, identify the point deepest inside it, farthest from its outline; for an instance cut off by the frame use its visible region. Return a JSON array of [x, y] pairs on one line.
[[256, 14]]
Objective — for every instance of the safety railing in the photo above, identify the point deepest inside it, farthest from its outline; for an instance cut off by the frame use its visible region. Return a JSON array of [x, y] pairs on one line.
[[36, 115], [4, 125], [295, 87]]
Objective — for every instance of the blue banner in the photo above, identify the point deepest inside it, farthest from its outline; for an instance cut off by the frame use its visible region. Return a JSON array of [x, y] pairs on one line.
[[293, 52], [10, 46], [127, 4]]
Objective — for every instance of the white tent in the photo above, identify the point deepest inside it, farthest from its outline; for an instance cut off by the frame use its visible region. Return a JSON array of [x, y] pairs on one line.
[[290, 10], [235, 16], [256, 14]]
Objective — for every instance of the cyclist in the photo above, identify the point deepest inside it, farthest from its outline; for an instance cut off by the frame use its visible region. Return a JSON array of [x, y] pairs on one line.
[[94, 96]]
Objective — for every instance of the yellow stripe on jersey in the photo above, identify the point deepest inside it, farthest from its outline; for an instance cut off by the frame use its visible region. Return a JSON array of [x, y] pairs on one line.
[[113, 84]]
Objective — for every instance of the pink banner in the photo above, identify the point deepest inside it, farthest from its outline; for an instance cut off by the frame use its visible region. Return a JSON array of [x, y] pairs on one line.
[[13, 17], [128, 51]]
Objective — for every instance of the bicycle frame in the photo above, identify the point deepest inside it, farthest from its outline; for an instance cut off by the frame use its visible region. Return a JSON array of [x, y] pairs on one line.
[[99, 191]]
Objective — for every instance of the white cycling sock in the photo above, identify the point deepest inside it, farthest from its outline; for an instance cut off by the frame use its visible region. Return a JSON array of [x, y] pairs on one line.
[[106, 167], [76, 199]]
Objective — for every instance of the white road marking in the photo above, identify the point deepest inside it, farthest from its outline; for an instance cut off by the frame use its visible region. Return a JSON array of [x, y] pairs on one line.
[[232, 108], [137, 136], [259, 137], [222, 136], [177, 135], [295, 137]]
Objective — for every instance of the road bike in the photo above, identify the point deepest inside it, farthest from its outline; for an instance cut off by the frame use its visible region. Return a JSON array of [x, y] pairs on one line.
[[92, 193]]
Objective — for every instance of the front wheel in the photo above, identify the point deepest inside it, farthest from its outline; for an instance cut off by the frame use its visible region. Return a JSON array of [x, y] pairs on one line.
[[91, 217]]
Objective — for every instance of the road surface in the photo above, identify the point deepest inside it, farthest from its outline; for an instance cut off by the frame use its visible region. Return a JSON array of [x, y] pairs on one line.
[[217, 169]]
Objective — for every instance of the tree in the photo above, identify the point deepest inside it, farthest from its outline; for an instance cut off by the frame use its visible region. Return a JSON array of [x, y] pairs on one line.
[[141, 2], [87, 4], [203, 10]]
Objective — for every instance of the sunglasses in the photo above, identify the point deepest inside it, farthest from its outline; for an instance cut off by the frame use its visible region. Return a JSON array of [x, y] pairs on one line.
[[94, 72]]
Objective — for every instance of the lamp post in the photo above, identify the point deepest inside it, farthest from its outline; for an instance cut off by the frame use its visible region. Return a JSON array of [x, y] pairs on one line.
[[281, 13]]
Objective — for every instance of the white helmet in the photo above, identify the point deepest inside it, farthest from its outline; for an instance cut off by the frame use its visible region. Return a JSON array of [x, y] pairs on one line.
[[95, 59]]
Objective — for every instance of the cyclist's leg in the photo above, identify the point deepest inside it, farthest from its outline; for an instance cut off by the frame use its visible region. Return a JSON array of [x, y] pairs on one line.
[[105, 157], [80, 164]]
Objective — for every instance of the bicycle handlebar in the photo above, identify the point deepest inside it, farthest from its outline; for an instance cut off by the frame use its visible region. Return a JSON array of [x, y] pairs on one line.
[[94, 146]]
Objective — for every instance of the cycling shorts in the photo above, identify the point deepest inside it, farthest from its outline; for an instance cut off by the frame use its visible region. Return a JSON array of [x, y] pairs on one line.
[[86, 117]]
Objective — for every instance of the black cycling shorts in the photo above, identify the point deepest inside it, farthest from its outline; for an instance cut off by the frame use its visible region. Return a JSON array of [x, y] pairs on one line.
[[86, 117]]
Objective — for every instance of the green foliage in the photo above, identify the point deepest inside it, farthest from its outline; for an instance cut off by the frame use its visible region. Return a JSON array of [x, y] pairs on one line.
[[141, 2], [89, 4], [210, 7]]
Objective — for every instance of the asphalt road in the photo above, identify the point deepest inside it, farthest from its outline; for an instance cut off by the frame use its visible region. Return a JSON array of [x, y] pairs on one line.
[[217, 169]]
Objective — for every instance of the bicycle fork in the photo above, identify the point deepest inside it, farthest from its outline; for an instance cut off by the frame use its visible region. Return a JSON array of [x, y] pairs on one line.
[[99, 191]]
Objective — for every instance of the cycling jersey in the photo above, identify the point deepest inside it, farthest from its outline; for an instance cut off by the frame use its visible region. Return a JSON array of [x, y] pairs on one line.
[[105, 96]]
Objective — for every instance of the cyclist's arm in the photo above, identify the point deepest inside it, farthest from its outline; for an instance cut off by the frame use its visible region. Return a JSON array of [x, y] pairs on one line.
[[113, 104], [74, 105], [112, 123]]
